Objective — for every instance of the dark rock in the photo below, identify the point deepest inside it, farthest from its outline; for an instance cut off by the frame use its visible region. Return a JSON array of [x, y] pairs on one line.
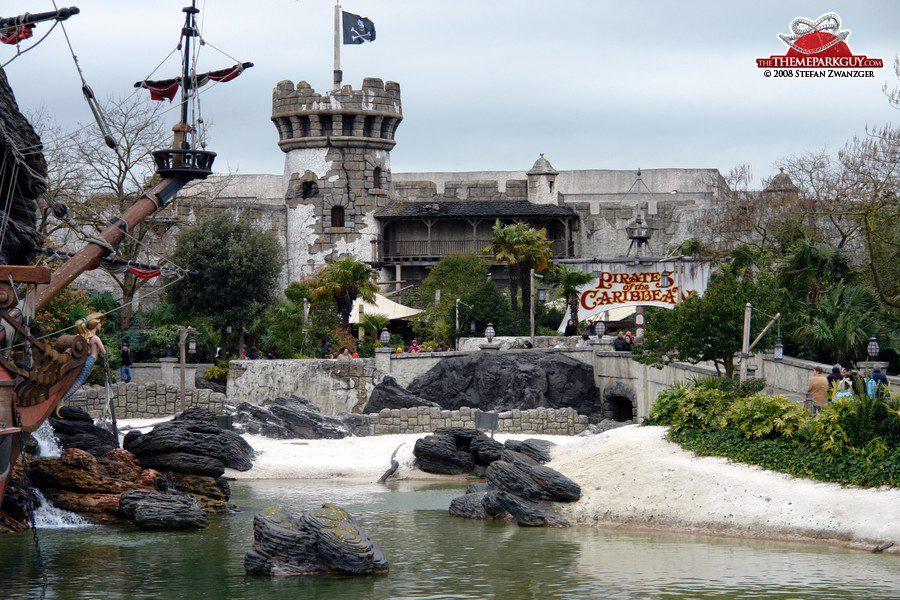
[[481, 486], [355, 424], [470, 506], [287, 417], [439, 453], [390, 394], [485, 450], [197, 437], [560, 487], [159, 510], [76, 429], [522, 461], [509, 478], [529, 514], [184, 462], [539, 450], [325, 540], [501, 381]]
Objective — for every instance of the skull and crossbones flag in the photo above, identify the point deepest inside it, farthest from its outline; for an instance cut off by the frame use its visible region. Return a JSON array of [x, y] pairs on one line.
[[357, 29]]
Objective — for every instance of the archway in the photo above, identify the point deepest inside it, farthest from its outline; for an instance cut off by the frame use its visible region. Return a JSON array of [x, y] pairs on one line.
[[618, 402]]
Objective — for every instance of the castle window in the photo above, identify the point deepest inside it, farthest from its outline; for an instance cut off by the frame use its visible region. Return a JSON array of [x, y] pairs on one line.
[[376, 178], [337, 216], [309, 189]]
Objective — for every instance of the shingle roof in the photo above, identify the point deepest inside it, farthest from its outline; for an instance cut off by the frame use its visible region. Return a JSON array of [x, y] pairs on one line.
[[492, 208]]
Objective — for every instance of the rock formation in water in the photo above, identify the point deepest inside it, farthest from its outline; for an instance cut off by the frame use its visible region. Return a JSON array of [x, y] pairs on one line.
[[287, 417], [192, 451], [322, 541], [517, 485], [497, 382], [74, 428], [79, 482], [158, 510]]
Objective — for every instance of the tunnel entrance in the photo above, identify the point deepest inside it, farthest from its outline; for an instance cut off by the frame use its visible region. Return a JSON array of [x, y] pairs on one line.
[[619, 403]]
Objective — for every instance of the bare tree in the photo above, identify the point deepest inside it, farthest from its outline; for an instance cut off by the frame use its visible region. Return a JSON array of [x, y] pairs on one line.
[[98, 183]]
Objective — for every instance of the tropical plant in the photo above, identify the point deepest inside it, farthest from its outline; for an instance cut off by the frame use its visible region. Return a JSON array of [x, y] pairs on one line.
[[373, 323], [522, 248], [343, 281], [762, 416], [840, 323], [568, 280]]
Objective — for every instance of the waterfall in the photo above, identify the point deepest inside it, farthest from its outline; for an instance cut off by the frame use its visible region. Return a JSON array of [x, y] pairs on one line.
[[46, 440], [50, 517]]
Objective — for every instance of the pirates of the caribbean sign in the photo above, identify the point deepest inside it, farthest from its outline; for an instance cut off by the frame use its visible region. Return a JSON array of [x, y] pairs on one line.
[[618, 285]]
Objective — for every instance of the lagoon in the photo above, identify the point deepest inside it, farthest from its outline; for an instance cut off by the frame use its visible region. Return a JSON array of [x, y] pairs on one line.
[[434, 556]]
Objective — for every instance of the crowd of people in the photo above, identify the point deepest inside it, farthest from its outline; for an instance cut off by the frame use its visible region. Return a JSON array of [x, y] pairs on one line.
[[842, 382]]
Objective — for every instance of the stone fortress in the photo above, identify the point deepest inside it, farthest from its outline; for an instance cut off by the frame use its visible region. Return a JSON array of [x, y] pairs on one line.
[[339, 197]]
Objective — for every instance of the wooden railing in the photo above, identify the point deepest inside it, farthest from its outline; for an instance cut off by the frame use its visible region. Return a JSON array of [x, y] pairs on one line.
[[425, 251]]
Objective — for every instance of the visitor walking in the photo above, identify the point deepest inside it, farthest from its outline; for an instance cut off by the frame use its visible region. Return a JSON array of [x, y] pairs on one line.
[[571, 328], [127, 361], [619, 343], [344, 354], [818, 387]]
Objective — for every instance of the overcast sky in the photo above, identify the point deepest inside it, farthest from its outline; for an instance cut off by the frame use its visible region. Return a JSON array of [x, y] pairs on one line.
[[489, 85]]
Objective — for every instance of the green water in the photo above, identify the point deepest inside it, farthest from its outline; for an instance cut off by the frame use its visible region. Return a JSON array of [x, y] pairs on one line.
[[434, 557]]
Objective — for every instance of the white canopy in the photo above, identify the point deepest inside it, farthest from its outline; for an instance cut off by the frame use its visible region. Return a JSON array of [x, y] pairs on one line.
[[383, 305]]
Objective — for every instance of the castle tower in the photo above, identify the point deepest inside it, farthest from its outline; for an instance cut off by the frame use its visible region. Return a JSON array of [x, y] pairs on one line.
[[542, 182], [337, 168]]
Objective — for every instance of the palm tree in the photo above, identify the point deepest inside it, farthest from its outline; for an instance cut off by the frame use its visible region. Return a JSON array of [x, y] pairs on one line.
[[840, 323], [343, 281], [522, 248], [569, 280], [535, 254], [505, 247], [373, 323]]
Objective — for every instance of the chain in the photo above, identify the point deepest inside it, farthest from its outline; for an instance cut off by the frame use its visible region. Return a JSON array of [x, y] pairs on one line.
[[28, 499]]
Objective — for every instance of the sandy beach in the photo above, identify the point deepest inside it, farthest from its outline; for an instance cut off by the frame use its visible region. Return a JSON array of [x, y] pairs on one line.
[[631, 477]]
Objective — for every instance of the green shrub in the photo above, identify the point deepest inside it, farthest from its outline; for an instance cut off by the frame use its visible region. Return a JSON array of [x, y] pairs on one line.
[[217, 374], [682, 407], [731, 387], [761, 416]]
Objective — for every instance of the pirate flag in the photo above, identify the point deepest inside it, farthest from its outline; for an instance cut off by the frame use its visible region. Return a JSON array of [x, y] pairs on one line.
[[357, 29]]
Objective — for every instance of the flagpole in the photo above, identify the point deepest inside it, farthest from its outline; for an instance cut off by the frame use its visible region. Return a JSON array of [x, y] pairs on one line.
[[337, 46]]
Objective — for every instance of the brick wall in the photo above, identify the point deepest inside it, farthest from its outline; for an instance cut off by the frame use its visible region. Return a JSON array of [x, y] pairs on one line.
[[133, 401]]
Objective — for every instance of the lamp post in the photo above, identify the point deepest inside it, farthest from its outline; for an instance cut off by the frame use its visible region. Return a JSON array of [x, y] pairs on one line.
[[385, 337], [872, 349], [541, 292], [489, 332]]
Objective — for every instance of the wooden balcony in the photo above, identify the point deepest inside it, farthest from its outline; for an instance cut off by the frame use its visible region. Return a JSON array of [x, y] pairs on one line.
[[429, 252]]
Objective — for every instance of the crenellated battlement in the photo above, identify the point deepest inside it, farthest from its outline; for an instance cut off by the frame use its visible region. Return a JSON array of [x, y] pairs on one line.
[[366, 118]]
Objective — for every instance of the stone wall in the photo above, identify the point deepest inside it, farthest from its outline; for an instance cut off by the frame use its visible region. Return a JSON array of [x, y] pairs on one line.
[[133, 401], [336, 387], [422, 419]]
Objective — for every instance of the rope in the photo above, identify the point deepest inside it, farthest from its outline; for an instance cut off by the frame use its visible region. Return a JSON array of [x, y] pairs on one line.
[[28, 499], [31, 47]]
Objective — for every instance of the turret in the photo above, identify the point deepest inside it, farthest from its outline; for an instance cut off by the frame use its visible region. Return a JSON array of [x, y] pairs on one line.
[[542, 182], [337, 169]]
